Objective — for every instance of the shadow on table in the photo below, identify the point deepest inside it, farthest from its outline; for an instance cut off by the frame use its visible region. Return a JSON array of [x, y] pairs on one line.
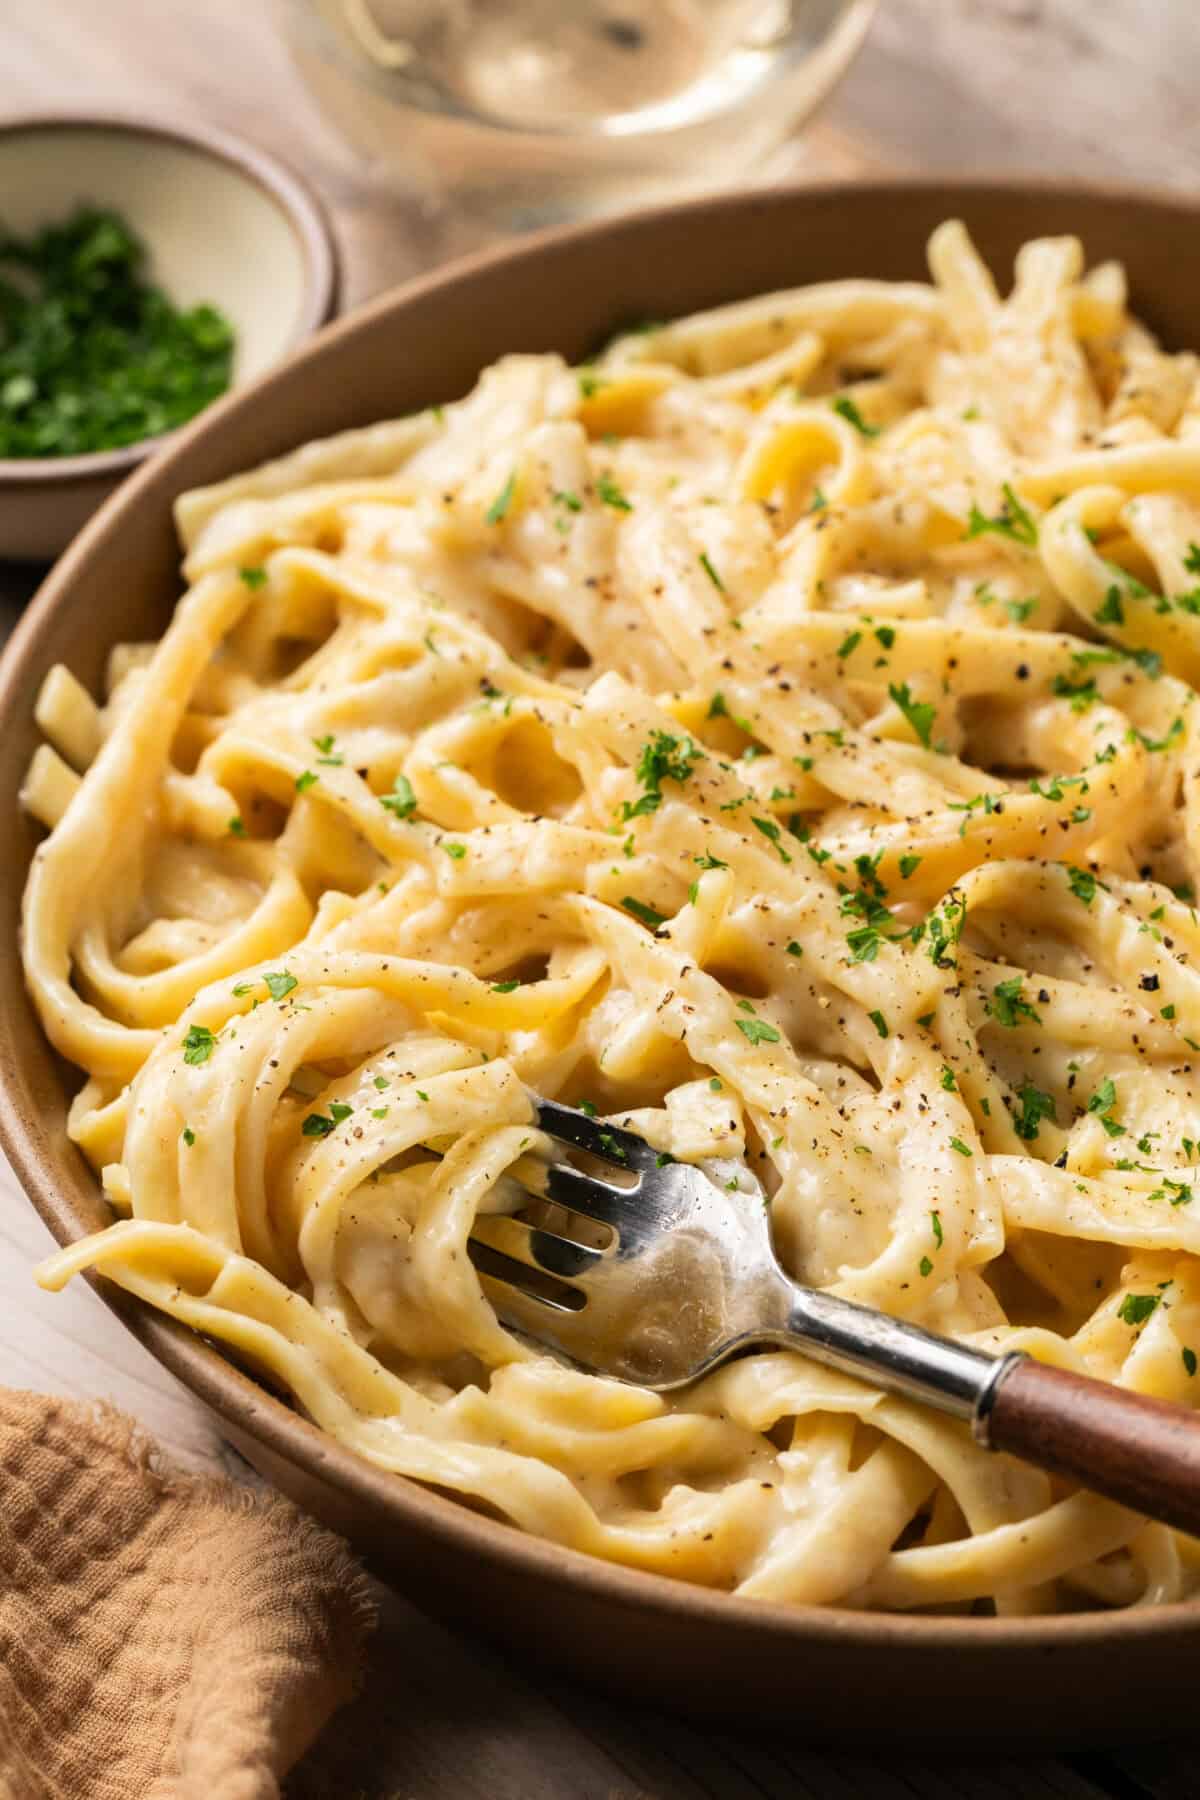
[[440, 1718]]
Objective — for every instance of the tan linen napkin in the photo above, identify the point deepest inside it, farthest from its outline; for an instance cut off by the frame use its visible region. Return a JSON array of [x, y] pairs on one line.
[[162, 1637]]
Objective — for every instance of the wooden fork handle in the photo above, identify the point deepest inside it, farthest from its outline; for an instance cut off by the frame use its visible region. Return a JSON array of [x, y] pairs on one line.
[[1142, 1452]]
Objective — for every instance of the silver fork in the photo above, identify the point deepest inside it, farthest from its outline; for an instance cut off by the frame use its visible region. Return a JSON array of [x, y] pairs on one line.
[[654, 1271]]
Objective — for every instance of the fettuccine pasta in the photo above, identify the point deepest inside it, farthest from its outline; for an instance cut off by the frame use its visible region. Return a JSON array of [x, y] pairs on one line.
[[779, 736]]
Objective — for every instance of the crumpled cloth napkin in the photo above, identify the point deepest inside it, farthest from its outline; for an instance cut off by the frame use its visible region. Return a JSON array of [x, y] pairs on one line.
[[162, 1636]]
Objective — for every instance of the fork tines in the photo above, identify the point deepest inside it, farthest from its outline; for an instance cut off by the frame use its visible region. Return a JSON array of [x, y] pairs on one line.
[[608, 1142]]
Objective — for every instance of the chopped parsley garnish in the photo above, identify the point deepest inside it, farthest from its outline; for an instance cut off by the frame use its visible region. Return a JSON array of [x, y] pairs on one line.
[[280, 983], [237, 827], [963, 1150], [945, 929], [706, 564], [1177, 1193], [770, 831], [991, 803], [253, 577], [1148, 661], [863, 943], [1082, 882], [1084, 659], [590, 383], [1057, 783], [1135, 589], [849, 645], [717, 708], [1081, 694], [1189, 1361], [401, 802], [925, 1266], [198, 1045], [319, 1125], [1019, 610], [757, 1031], [608, 1142], [1102, 1103], [948, 1081], [1112, 612], [585, 1106], [1135, 1309], [455, 851], [189, 1136], [308, 778], [844, 406], [867, 869], [909, 866], [1035, 1106], [886, 635], [500, 505], [935, 1223], [794, 949], [1012, 521], [381, 1082], [879, 1022], [505, 987], [611, 494], [1006, 1005], [1156, 744], [919, 713], [663, 758], [645, 913]]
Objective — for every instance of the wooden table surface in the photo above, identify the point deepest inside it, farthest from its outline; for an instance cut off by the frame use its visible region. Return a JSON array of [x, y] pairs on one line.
[[1101, 88]]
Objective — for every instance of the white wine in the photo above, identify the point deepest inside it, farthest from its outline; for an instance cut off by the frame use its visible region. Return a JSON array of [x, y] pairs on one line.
[[534, 109]]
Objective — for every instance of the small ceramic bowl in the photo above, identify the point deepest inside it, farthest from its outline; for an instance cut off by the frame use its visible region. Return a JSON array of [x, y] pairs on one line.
[[222, 222]]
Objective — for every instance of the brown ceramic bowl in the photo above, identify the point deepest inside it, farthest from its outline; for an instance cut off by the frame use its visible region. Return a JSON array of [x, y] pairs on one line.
[[824, 1673]]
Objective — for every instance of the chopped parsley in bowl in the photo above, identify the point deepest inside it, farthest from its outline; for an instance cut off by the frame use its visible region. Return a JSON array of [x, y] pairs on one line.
[[147, 270], [94, 356]]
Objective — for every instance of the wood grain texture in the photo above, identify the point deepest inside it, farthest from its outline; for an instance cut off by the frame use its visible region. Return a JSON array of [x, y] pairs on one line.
[[1126, 1446], [1075, 87]]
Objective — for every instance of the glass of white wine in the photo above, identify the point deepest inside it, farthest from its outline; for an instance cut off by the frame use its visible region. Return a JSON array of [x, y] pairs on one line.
[[530, 111]]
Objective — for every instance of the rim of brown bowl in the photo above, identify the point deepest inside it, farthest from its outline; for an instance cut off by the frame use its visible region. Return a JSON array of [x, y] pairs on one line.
[[969, 1654], [296, 200]]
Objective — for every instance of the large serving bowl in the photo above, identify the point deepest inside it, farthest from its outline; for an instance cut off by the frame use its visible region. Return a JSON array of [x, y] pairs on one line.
[[826, 1673]]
